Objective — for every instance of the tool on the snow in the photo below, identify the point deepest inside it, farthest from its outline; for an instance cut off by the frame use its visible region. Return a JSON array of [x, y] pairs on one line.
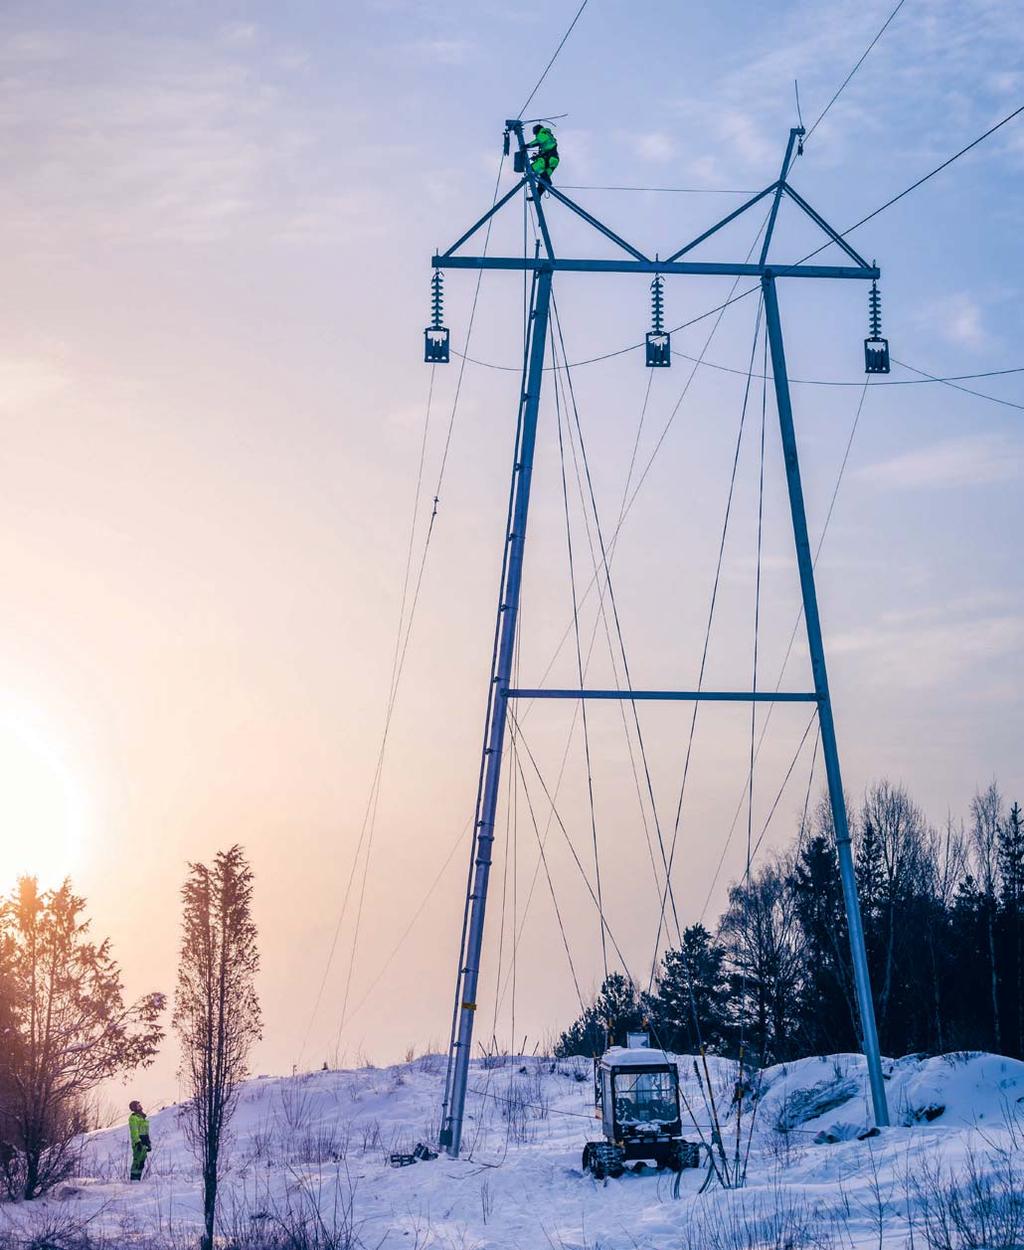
[[420, 1152], [636, 1091]]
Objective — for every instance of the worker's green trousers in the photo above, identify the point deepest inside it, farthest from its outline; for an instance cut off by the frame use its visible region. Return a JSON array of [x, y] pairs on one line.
[[139, 1153]]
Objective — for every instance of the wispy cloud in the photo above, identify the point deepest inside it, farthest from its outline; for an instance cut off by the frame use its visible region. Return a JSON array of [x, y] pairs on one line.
[[919, 654], [973, 460], [656, 146], [444, 51], [169, 139], [958, 318]]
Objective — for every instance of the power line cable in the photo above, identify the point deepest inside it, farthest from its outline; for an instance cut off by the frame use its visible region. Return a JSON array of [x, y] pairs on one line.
[[412, 922], [952, 383], [554, 57], [369, 822], [565, 832], [710, 622], [785, 781], [757, 609], [547, 870], [601, 616], [579, 666], [622, 351], [921, 381], [845, 83], [606, 567], [913, 186], [792, 640], [392, 690]]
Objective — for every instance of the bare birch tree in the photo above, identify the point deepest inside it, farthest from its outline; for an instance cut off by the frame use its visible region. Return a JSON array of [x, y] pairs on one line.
[[216, 1010]]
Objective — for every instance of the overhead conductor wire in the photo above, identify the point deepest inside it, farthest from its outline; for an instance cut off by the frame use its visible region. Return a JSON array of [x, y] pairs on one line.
[[401, 650]]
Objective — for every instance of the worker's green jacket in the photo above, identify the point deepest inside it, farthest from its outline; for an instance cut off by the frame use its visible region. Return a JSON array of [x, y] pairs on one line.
[[544, 141], [138, 1127]]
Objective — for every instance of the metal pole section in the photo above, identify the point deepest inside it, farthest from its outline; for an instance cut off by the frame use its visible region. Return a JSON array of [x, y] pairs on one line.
[[508, 611], [829, 748]]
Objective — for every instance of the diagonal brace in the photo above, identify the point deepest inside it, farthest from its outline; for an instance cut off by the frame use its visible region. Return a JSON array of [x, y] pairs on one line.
[[724, 222], [485, 218], [822, 224], [592, 221]]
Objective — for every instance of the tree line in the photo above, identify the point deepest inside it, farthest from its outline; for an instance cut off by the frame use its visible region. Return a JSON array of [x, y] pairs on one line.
[[65, 1027], [943, 912]]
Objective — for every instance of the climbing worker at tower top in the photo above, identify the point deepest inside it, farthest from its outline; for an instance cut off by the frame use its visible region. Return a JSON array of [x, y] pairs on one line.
[[545, 162], [138, 1132]]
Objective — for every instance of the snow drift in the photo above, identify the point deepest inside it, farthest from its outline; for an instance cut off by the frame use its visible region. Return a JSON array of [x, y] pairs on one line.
[[311, 1153]]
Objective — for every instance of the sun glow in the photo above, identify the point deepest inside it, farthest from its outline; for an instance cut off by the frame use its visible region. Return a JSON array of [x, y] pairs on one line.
[[42, 805]]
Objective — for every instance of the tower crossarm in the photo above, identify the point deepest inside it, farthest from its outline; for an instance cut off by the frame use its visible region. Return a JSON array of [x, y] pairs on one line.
[[570, 264]]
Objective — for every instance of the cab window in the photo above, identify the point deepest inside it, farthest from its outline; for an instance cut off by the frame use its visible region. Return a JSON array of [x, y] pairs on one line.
[[644, 1097]]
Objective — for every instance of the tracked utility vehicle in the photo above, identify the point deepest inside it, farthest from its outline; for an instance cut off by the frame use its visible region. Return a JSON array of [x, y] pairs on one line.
[[636, 1091]]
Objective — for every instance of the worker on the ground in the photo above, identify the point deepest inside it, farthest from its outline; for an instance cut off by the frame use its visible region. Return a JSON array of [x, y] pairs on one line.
[[138, 1131], [545, 162]]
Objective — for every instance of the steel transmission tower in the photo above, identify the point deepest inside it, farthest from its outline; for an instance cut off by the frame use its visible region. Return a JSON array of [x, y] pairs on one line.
[[542, 268]]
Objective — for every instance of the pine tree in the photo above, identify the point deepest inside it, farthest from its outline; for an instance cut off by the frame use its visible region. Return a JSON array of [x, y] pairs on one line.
[[1011, 902], [828, 1010], [986, 813], [616, 1011], [66, 1030], [690, 1008], [216, 1010]]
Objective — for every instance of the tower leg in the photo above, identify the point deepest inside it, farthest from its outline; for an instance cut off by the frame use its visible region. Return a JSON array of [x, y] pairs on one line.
[[829, 749], [490, 769]]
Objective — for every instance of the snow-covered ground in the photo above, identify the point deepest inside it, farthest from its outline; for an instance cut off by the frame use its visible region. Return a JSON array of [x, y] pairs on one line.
[[315, 1148]]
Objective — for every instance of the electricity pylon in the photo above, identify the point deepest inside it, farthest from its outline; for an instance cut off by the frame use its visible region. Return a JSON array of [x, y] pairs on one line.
[[543, 267]]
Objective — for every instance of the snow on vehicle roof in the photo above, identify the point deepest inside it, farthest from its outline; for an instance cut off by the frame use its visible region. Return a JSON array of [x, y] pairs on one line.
[[641, 1056]]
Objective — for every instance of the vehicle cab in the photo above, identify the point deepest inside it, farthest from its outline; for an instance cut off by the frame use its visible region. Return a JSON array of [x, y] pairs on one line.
[[636, 1091]]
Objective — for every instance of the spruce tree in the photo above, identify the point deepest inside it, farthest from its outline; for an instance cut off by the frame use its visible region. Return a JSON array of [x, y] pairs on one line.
[[1011, 902], [690, 1008]]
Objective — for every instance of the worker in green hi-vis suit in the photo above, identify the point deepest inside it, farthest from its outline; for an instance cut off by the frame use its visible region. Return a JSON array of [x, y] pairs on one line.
[[545, 162], [138, 1131]]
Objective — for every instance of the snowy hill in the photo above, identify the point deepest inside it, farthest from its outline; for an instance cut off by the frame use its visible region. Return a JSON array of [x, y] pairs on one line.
[[311, 1152]]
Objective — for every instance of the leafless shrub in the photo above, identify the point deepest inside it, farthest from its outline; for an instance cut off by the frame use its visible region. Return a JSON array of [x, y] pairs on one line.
[[784, 1146], [577, 1067], [371, 1136], [522, 1103], [486, 1200], [60, 1231], [294, 1105], [326, 1143], [981, 1208], [312, 1214], [431, 1063], [778, 1220]]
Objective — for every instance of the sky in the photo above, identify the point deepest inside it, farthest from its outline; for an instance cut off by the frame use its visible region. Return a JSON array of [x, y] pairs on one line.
[[218, 221]]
